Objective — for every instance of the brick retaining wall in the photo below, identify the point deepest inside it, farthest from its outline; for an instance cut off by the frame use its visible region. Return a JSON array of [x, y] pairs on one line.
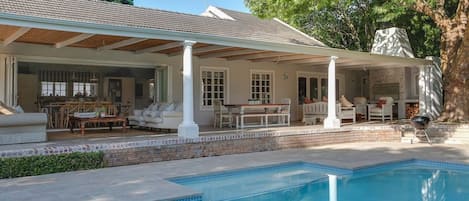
[[245, 143]]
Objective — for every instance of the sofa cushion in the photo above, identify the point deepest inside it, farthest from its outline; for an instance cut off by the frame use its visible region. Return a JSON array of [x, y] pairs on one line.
[[170, 108], [376, 110], [344, 102], [153, 120], [5, 109], [179, 107]]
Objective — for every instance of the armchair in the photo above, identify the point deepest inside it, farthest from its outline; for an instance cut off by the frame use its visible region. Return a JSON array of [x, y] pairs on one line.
[[384, 112], [360, 105]]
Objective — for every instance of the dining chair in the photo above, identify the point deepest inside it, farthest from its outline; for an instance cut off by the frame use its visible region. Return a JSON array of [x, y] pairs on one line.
[[221, 116]]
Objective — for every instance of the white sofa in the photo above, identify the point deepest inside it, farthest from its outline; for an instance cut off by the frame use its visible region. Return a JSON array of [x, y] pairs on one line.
[[158, 115], [23, 128]]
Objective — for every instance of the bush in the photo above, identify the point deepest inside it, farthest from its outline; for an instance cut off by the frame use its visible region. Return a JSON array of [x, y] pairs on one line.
[[38, 165]]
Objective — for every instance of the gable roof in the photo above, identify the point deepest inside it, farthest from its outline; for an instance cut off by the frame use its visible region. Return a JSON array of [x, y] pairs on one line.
[[245, 26]]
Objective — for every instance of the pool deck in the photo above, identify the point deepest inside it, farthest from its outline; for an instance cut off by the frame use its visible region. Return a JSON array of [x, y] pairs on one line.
[[147, 181]]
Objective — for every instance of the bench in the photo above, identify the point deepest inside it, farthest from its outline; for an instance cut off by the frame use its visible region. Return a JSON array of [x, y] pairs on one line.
[[314, 111]]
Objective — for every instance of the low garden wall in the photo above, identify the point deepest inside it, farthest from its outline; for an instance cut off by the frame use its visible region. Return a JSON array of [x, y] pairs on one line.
[[89, 156]]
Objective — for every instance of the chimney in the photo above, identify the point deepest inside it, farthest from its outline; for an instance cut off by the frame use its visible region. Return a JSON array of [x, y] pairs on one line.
[[393, 42]]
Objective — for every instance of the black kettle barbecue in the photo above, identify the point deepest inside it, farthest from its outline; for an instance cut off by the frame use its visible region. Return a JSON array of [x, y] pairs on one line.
[[421, 123]]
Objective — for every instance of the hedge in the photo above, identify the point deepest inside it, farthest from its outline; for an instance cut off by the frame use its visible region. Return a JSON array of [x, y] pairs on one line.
[[38, 165]]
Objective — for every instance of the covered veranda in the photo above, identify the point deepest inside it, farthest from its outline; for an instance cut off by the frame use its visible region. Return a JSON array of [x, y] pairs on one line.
[[24, 39]]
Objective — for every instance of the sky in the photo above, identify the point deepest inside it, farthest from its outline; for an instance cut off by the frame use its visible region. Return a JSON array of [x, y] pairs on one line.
[[195, 7]]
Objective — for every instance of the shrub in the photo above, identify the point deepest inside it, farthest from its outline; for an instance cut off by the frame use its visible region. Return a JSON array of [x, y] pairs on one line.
[[38, 165]]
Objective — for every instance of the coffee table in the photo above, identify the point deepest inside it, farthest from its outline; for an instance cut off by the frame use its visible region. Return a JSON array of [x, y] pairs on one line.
[[108, 119]]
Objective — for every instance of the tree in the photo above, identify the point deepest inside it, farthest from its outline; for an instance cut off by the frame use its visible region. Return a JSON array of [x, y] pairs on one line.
[[435, 27], [129, 2]]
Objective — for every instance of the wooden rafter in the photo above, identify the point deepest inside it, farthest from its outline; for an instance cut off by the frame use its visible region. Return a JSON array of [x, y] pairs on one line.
[[159, 48], [202, 50], [304, 60], [123, 43], [73, 40], [284, 58], [21, 31], [231, 53], [258, 56]]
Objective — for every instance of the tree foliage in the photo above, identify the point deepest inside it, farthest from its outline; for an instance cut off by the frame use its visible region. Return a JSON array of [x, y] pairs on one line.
[[351, 24], [434, 27], [129, 2]]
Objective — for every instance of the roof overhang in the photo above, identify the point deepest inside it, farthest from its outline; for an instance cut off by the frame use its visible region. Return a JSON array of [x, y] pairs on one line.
[[353, 58]]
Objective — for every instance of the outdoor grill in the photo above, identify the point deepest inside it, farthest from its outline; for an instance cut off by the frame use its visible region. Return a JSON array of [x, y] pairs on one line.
[[421, 123]]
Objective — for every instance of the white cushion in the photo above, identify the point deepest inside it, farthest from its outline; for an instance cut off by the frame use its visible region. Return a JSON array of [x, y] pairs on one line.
[[163, 107], [344, 102], [179, 108], [153, 120], [154, 107], [170, 108], [376, 110], [154, 114]]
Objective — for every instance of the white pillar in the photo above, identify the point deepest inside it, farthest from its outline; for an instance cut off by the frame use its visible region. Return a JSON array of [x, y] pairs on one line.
[[8, 79], [188, 128], [332, 187], [331, 120]]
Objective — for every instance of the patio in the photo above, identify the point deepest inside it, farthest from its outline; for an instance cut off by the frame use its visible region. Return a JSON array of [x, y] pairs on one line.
[[147, 181]]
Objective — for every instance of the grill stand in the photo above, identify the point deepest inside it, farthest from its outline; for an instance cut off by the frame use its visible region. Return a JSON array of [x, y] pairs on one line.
[[421, 131]]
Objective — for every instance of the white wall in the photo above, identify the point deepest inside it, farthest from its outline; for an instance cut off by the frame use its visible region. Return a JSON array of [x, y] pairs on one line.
[[239, 71]]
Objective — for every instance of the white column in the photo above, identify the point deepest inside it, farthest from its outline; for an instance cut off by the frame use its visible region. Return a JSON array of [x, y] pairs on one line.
[[332, 187], [188, 128], [331, 121]]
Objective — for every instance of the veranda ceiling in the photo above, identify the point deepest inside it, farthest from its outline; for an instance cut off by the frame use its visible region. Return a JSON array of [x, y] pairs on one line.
[[243, 50]]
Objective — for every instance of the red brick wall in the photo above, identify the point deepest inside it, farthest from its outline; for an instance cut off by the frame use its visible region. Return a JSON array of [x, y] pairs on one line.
[[243, 145]]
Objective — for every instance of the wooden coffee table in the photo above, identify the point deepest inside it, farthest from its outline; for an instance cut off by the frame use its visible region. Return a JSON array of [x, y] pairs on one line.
[[110, 120]]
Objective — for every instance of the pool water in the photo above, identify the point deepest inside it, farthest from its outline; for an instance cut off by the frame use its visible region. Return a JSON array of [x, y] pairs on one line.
[[413, 180]]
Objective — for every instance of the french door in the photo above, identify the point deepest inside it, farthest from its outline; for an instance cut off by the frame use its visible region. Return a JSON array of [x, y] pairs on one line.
[[313, 86]]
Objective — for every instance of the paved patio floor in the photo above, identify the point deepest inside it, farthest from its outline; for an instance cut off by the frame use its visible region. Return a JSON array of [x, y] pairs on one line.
[[147, 181]]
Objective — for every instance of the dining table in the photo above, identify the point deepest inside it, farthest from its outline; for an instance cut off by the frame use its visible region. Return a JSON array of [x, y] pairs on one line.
[[262, 111]]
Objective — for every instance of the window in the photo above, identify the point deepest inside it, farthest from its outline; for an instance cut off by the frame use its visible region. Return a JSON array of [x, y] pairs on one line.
[[84, 89], [214, 85], [262, 85], [53, 88]]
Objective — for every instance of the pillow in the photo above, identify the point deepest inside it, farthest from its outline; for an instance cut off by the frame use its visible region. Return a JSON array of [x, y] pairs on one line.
[[154, 106], [19, 109], [169, 108], [344, 102], [163, 107], [324, 99], [380, 103], [179, 107], [307, 100], [5, 109]]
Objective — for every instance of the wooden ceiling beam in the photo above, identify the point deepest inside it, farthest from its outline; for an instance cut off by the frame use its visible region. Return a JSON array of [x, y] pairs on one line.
[[284, 58], [305, 60], [21, 31], [202, 50], [231, 53], [73, 40], [159, 47], [123, 43], [258, 56]]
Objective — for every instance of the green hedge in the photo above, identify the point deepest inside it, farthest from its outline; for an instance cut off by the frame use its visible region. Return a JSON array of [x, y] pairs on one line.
[[38, 165]]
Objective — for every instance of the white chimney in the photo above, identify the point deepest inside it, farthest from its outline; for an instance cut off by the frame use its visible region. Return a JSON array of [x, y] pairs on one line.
[[393, 42]]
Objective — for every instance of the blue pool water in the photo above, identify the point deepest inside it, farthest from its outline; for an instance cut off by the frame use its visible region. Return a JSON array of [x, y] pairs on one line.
[[413, 180]]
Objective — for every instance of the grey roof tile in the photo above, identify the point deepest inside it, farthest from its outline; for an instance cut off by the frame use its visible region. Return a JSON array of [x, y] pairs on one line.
[[245, 26]]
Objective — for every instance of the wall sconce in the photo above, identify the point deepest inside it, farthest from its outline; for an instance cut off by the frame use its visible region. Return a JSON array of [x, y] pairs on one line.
[[285, 76]]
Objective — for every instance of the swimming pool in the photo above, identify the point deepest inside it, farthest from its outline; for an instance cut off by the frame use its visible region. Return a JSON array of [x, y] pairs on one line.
[[413, 180]]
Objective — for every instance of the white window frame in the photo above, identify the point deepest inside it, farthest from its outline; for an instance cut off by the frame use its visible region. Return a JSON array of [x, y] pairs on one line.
[[84, 89], [55, 89], [272, 86], [319, 76], [226, 95]]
